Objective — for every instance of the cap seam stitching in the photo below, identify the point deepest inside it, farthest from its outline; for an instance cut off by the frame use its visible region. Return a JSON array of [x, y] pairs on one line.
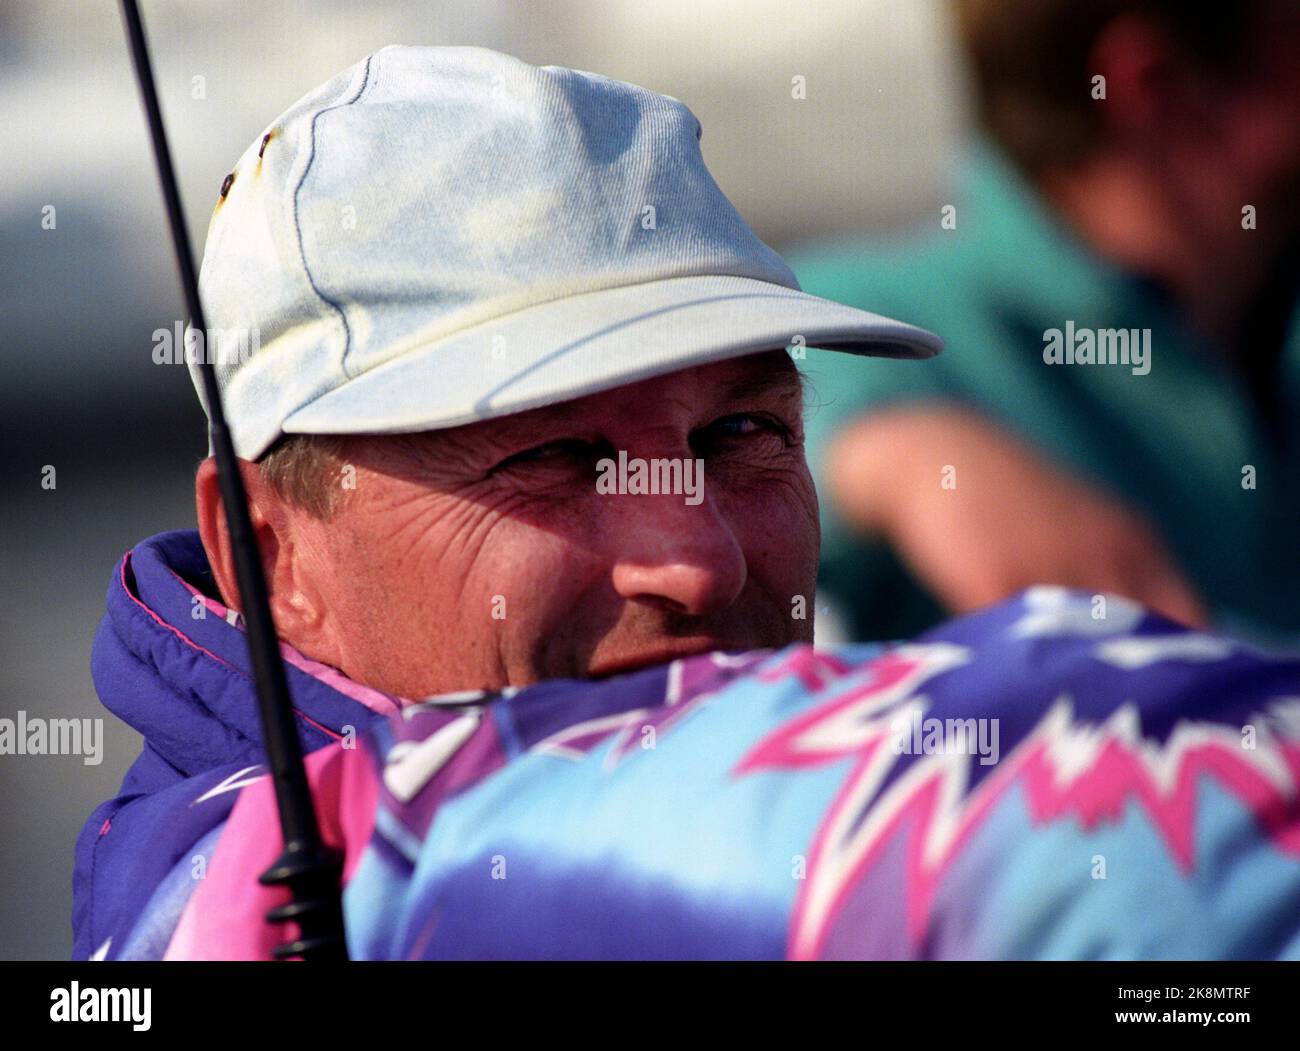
[[297, 226]]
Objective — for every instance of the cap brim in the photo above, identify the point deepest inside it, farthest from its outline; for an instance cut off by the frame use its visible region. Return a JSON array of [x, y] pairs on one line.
[[583, 344]]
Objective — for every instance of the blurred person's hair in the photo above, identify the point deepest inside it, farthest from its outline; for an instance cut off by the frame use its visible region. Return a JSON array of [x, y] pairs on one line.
[[1029, 60]]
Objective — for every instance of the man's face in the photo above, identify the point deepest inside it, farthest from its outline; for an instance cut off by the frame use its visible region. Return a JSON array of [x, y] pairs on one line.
[[484, 556]]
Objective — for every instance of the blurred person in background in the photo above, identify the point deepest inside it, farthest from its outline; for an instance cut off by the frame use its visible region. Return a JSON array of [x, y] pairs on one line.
[[1139, 170]]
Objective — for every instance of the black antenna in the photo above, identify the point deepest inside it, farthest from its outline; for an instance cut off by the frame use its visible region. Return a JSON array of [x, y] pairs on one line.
[[311, 870]]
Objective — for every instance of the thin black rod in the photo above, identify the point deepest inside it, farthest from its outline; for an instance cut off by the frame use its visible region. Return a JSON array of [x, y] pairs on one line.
[[307, 867]]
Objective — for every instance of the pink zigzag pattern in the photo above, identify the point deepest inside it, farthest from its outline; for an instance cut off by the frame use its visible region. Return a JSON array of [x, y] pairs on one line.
[[1090, 772]]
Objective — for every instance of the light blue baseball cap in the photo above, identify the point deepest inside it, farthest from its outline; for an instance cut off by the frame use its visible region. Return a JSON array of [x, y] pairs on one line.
[[440, 235]]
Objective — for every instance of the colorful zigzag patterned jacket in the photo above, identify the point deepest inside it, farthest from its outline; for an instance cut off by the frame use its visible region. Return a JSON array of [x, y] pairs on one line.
[[1059, 776]]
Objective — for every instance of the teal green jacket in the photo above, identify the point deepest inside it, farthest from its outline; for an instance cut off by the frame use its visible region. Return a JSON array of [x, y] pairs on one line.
[[1176, 441]]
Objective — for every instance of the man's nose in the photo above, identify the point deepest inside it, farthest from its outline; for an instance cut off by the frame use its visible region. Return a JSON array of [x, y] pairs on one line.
[[671, 553]]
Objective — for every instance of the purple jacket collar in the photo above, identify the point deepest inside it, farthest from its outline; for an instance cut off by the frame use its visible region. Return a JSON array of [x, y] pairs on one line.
[[169, 663], [171, 666]]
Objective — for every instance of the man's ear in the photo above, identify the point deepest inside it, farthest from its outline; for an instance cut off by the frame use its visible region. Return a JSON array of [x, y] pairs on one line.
[[294, 605]]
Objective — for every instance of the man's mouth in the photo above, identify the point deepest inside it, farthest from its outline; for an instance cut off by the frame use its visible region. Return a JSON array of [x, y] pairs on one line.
[[660, 653]]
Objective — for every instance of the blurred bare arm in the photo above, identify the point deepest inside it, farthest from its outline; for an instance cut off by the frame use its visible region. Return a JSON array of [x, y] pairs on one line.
[[977, 515]]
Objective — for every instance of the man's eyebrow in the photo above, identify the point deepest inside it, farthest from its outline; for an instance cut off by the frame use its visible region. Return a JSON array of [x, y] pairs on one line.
[[753, 384], [764, 382]]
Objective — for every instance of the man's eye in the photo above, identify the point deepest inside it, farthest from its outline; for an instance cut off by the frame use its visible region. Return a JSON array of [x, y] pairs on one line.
[[734, 426], [739, 427], [561, 452]]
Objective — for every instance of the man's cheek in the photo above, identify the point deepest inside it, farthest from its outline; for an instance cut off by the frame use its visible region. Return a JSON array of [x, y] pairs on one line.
[[780, 510], [780, 541], [528, 581]]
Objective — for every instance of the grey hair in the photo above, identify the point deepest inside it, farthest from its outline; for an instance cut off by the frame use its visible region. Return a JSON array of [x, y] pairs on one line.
[[303, 470]]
